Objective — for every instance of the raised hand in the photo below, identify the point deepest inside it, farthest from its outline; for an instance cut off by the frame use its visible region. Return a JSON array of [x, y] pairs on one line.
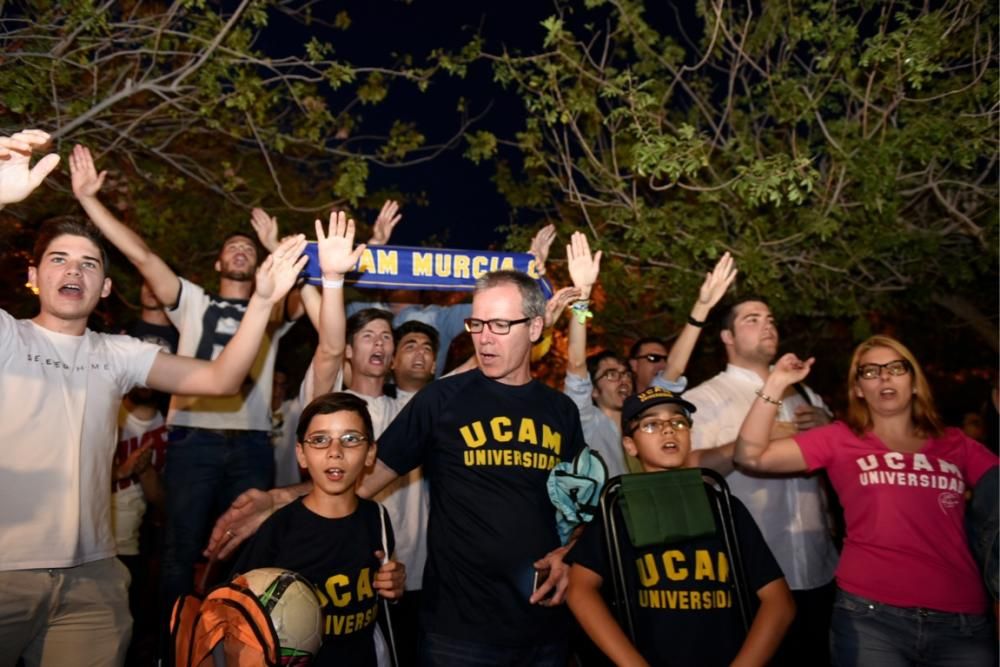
[[266, 227], [789, 369], [386, 221], [555, 306], [86, 181], [540, 245], [717, 281], [583, 267], [282, 267], [17, 179], [337, 254]]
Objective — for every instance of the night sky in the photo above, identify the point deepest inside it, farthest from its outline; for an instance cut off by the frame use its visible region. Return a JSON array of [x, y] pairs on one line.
[[462, 208]]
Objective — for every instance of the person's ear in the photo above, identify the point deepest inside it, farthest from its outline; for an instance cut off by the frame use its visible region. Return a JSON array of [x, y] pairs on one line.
[[727, 336], [633, 364], [537, 325], [32, 279], [371, 455], [593, 393], [300, 455], [106, 288], [857, 391], [218, 266], [348, 351], [629, 444]]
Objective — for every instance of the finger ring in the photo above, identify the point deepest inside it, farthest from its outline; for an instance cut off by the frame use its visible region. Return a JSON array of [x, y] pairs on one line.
[[230, 533]]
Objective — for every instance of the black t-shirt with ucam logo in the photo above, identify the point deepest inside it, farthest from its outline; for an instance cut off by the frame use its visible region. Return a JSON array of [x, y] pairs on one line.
[[338, 557], [487, 449]]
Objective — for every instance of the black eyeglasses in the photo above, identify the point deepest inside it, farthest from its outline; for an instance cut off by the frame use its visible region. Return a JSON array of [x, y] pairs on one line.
[[651, 358], [614, 374], [872, 371], [499, 327], [347, 440], [651, 426]]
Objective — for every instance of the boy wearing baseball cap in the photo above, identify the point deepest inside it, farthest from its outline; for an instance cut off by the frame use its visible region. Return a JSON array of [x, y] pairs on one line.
[[682, 592]]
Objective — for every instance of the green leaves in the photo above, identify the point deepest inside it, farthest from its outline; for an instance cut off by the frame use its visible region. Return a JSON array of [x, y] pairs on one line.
[[844, 152]]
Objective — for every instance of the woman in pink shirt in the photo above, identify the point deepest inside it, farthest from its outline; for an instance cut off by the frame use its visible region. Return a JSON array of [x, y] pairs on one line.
[[909, 591]]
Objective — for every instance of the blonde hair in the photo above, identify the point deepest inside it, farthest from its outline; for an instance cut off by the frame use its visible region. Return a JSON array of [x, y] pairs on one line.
[[923, 413]]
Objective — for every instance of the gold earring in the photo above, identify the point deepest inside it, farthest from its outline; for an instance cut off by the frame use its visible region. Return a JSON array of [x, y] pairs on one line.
[[33, 288]]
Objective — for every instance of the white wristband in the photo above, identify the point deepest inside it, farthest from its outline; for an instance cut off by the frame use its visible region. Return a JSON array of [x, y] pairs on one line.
[[332, 284]]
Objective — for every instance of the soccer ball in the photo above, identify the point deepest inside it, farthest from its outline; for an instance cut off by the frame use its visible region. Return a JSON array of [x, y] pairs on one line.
[[291, 601]]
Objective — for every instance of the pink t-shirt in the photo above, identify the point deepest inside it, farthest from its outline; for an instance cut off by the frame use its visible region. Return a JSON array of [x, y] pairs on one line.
[[906, 544]]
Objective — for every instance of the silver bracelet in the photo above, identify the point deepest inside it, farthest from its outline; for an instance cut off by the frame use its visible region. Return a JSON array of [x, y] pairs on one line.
[[767, 399], [332, 284]]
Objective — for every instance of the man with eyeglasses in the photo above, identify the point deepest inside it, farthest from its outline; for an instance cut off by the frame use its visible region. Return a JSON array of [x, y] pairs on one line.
[[487, 440], [600, 383], [791, 511]]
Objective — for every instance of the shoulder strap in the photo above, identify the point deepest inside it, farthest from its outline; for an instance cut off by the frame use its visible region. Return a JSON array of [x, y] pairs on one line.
[[803, 393], [385, 538]]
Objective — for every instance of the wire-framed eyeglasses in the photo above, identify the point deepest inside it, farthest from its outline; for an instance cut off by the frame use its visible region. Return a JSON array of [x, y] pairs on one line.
[[651, 426], [347, 440]]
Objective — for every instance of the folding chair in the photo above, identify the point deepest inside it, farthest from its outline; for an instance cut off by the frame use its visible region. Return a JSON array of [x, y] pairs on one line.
[[663, 508]]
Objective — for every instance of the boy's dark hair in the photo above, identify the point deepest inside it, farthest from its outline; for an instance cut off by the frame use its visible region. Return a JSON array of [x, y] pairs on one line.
[[327, 404], [594, 361], [53, 228], [416, 326], [362, 318], [730, 317], [636, 346]]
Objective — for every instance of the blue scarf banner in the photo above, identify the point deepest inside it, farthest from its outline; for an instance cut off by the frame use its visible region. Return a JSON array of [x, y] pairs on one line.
[[403, 267]]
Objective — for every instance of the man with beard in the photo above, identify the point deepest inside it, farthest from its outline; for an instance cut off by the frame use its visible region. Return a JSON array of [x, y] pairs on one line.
[[790, 511], [219, 447]]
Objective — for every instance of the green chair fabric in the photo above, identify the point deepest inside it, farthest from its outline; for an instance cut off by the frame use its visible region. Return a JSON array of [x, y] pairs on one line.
[[665, 507]]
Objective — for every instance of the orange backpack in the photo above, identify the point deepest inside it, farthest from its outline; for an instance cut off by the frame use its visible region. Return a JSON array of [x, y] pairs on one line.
[[228, 627]]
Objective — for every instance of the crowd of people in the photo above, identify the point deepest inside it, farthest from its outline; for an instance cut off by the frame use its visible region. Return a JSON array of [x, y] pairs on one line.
[[185, 416]]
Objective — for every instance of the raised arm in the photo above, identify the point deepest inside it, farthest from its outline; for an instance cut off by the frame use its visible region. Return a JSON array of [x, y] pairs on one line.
[[717, 281], [224, 374], [754, 448], [386, 221], [17, 178], [583, 270], [337, 256], [540, 245], [266, 228], [86, 185]]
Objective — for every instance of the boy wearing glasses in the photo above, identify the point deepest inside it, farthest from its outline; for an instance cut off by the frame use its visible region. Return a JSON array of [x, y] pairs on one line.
[[684, 602], [598, 384], [330, 536]]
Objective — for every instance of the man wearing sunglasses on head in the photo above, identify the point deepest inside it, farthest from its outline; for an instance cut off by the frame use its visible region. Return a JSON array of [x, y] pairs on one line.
[[790, 511]]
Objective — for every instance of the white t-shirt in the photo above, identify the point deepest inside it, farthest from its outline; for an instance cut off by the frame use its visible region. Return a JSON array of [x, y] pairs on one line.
[[128, 503], [58, 416], [207, 322], [790, 511]]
